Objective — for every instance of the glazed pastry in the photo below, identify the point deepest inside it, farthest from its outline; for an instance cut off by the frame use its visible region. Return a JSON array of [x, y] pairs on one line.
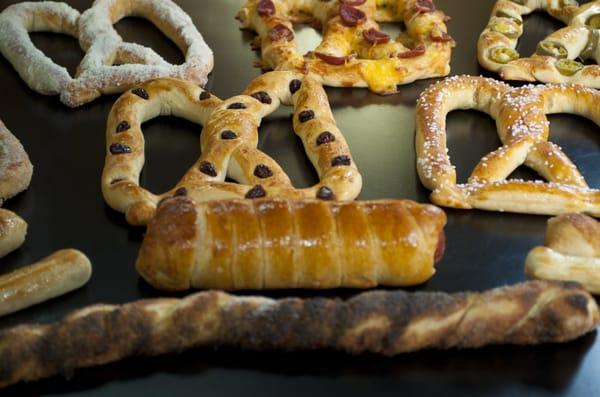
[[97, 75], [380, 322], [55, 275], [275, 243], [354, 51], [559, 57], [523, 128], [571, 252], [228, 144], [13, 230]]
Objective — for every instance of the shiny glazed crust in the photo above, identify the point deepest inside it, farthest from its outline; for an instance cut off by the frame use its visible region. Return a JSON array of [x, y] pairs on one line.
[[228, 144], [276, 243], [571, 252], [380, 322], [345, 58], [523, 128], [578, 39]]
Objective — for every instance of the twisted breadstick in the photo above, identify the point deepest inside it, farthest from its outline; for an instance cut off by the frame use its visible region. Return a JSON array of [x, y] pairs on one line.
[[380, 322]]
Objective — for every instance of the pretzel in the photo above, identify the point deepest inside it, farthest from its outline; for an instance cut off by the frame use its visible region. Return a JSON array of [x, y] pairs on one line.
[[98, 72], [555, 60], [571, 251], [228, 144], [354, 52], [523, 128]]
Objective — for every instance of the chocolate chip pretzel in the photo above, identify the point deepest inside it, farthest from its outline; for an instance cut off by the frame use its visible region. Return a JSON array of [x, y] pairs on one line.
[[354, 51], [228, 144], [523, 128], [559, 58]]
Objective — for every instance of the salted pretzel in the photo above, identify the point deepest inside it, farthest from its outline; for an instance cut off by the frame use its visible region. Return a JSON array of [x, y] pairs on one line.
[[110, 65], [559, 58], [354, 52], [571, 251], [228, 144], [523, 128]]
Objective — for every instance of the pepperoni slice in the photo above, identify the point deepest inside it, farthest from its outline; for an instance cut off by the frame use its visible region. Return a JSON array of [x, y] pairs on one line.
[[441, 248], [266, 8], [353, 2], [444, 38], [420, 50], [330, 59], [424, 6], [375, 36], [281, 32], [352, 16]]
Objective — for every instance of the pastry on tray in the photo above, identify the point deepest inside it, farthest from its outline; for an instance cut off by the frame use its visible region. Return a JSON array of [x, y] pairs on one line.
[[380, 322], [559, 58], [523, 129], [110, 65], [571, 251], [228, 144], [354, 51]]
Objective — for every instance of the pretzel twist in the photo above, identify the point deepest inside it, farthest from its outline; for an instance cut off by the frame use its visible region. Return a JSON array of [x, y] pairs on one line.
[[388, 323], [228, 144], [555, 60], [109, 65], [354, 52], [523, 128]]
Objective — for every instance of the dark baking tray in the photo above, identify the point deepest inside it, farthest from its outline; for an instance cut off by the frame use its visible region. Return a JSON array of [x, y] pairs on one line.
[[65, 209]]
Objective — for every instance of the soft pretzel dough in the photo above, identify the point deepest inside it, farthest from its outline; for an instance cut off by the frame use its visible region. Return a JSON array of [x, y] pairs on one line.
[[353, 56], [523, 128], [98, 72], [579, 39], [228, 144], [571, 251]]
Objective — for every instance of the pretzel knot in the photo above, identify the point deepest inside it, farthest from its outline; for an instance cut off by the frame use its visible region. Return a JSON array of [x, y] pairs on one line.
[[354, 52], [555, 60], [523, 128], [109, 65], [228, 144]]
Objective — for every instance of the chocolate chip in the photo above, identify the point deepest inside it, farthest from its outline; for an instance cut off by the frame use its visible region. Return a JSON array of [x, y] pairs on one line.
[[306, 115], [256, 192], [295, 86], [228, 134], [207, 168], [340, 160], [122, 126], [119, 148], [262, 171], [116, 180], [325, 193], [236, 105], [142, 93], [262, 97], [204, 95], [325, 137], [182, 191]]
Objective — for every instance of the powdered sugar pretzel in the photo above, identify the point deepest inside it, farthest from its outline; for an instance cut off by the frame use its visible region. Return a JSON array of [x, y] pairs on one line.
[[98, 74], [354, 52], [523, 128], [228, 144], [555, 60]]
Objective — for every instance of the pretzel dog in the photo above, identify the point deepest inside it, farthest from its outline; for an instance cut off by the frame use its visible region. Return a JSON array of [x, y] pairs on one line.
[[228, 144], [555, 60], [523, 128], [354, 52], [98, 72], [571, 251]]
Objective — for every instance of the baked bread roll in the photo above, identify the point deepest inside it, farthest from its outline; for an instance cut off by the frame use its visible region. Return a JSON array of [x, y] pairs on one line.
[[571, 252], [388, 323], [278, 243]]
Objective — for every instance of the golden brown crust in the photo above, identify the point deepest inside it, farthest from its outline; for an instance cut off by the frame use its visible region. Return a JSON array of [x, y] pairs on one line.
[[15, 168], [277, 243], [353, 53], [523, 128], [388, 323], [228, 144]]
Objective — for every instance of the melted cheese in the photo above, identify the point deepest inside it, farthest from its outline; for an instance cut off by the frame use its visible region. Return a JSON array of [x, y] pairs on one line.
[[381, 75]]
